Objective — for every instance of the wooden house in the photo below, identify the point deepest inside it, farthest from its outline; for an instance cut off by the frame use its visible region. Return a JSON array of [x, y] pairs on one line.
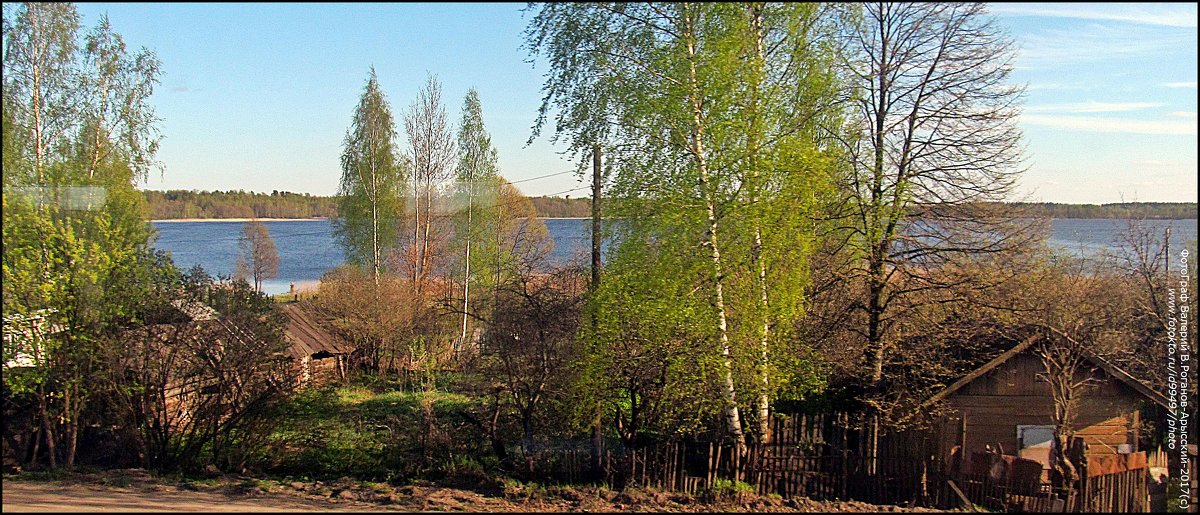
[[318, 354], [1006, 405]]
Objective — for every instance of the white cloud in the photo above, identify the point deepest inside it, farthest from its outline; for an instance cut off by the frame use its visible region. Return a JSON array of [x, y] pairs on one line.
[[1091, 107], [1118, 125], [1184, 114], [1099, 42], [1056, 86], [1180, 84], [1172, 15]]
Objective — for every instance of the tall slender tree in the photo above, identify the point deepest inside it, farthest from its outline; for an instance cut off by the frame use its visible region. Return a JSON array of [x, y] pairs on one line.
[[118, 85], [477, 169], [40, 57], [74, 226], [932, 140], [712, 142], [371, 195], [432, 154]]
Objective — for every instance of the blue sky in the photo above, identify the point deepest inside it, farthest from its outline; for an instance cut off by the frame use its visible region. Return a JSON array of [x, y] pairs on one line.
[[259, 96]]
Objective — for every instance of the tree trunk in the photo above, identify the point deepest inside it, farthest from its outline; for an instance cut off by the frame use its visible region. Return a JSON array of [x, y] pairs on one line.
[[467, 261], [598, 416], [764, 398], [733, 420], [99, 128], [38, 131], [425, 243], [47, 430], [416, 240], [71, 402], [527, 440], [752, 151], [375, 221]]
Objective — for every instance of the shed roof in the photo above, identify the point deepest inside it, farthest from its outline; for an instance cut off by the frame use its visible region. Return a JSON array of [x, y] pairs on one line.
[[1091, 357], [195, 309], [306, 337]]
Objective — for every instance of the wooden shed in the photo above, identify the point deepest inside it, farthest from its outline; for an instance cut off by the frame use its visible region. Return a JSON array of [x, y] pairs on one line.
[[1006, 404], [318, 353]]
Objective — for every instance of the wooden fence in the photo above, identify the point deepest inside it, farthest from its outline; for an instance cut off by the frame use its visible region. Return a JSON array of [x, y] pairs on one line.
[[1120, 492], [821, 457]]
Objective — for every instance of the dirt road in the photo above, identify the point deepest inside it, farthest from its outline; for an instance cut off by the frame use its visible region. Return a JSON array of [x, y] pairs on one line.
[[28, 496], [136, 490]]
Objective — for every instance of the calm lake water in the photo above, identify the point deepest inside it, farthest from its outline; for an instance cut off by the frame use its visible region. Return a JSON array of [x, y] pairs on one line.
[[307, 248]]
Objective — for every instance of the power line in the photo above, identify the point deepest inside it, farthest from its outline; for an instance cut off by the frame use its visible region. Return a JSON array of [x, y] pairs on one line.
[[541, 177]]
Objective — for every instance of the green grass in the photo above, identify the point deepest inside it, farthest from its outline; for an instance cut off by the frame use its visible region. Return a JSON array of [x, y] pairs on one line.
[[725, 490], [364, 433]]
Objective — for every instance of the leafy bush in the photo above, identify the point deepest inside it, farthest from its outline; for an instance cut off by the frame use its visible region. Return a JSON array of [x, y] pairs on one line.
[[724, 490]]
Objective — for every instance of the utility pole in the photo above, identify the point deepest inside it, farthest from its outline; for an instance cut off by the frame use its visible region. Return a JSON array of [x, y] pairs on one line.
[[597, 432], [595, 217]]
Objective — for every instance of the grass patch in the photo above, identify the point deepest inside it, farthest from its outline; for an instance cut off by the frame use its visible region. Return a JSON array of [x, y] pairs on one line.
[[380, 436], [724, 490]]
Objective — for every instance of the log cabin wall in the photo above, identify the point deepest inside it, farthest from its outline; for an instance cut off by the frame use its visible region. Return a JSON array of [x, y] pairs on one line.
[[1014, 394]]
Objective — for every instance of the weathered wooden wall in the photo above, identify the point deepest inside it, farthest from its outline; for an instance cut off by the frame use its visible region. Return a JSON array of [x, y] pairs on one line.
[[1012, 394]]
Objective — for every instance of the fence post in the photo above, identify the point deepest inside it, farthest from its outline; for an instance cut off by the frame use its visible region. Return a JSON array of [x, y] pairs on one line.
[[845, 472]]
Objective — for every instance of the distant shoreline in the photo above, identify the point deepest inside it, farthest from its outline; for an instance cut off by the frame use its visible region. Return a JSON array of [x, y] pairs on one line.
[[240, 219], [314, 219]]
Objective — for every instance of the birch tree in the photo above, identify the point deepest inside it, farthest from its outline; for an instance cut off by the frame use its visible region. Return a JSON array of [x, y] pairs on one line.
[[40, 54], [74, 229], [475, 173], [372, 187], [665, 89], [119, 86], [432, 154]]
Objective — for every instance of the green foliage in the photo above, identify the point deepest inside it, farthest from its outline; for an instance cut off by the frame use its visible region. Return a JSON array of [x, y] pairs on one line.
[[372, 187], [559, 207], [1119, 210], [74, 230], [516, 490], [713, 141], [725, 490], [640, 332]]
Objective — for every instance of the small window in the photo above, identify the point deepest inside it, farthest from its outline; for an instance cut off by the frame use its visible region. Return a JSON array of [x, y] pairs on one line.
[[1033, 443]]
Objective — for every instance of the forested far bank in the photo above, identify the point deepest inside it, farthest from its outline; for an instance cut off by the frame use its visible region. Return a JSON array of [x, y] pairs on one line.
[[1120, 210], [176, 204], [179, 204]]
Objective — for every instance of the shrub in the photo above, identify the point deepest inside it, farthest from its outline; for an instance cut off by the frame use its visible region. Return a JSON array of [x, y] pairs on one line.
[[724, 490]]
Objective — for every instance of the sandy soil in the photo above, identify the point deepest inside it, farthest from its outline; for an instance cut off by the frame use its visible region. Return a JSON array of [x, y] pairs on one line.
[[25, 496], [136, 490]]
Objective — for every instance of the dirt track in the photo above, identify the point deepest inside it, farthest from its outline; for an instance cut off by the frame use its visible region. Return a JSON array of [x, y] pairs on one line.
[[136, 490], [27, 496]]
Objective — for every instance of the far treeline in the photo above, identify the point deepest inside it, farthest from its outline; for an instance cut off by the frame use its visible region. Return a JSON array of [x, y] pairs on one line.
[[1124, 210], [175, 204]]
